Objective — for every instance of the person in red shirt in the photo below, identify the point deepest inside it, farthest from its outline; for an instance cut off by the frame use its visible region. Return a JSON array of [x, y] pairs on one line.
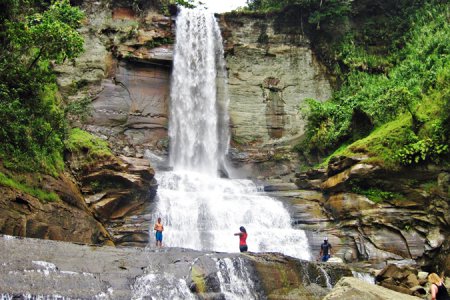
[[242, 239]]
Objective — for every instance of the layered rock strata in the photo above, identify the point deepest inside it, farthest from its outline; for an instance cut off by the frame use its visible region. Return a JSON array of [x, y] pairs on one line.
[[123, 76], [411, 223], [120, 192], [272, 70]]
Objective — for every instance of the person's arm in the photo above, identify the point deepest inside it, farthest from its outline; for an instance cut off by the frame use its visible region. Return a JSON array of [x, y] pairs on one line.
[[329, 251], [240, 233], [434, 290]]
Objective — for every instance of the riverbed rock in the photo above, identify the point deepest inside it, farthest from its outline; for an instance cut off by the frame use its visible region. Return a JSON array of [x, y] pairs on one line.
[[50, 268]]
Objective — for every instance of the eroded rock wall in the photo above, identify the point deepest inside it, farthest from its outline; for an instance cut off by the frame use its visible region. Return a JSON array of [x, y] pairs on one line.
[[411, 226], [271, 72], [123, 76]]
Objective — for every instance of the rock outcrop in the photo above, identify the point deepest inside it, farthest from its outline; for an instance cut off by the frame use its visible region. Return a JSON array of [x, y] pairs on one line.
[[407, 218], [120, 192], [66, 219]]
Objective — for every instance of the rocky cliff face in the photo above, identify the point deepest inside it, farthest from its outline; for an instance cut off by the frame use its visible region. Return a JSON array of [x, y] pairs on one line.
[[124, 75], [271, 70]]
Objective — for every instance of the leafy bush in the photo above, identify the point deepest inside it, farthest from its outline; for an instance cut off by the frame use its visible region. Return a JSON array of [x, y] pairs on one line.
[[421, 151]]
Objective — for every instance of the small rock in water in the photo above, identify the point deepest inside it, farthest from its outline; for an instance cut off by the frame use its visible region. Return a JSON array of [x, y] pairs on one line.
[[336, 260]]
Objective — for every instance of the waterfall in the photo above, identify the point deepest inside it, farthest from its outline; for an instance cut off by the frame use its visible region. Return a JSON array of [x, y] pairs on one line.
[[199, 209], [198, 141]]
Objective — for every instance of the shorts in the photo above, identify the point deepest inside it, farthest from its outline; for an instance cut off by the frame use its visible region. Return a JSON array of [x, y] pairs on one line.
[[325, 257], [243, 248], [159, 236]]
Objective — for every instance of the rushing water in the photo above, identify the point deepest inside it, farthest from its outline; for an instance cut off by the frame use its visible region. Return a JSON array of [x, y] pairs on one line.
[[199, 209]]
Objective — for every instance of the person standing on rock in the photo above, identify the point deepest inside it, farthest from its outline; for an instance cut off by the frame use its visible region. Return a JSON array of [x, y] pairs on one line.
[[325, 250], [242, 239], [438, 290], [159, 229]]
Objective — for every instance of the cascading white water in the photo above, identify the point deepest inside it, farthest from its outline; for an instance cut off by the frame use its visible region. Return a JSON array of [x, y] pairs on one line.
[[195, 114], [200, 210]]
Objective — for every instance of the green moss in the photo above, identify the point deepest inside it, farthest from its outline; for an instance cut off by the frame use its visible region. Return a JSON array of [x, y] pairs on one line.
[[381, 145], [430, 186], [35, 192], [199, 279], [341, 151], [80, 141]]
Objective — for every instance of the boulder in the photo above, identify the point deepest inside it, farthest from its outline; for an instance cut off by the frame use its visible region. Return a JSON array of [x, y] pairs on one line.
[[402, 279], [350, 288], [337, 164], [340, 181]]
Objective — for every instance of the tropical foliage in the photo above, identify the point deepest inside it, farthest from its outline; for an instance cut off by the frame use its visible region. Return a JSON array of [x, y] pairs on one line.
[[394, 104], [34, 35]]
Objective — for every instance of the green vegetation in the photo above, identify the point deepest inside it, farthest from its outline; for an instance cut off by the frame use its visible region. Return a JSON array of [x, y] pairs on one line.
[[34, 35], [159, 41], [80, 141], [376, 195], [393, 103], [38, 193]]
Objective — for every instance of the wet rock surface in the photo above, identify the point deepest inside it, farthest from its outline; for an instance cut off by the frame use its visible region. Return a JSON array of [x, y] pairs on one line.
[[49, 268]]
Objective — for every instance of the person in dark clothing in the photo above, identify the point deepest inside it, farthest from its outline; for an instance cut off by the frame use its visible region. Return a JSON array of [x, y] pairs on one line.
[[242, 239], [325, 250], [438, 290]]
